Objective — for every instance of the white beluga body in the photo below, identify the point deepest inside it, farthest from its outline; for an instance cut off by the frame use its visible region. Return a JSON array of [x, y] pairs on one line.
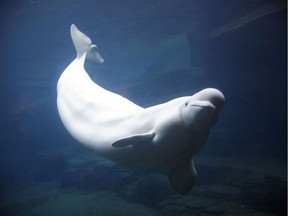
[[161, 137]]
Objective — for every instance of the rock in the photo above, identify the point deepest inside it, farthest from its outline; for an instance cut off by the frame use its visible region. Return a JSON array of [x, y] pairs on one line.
[[89, 173], [266, 194], [75, 177], [128, 191], [223, 175], [221, 192], [88, 178], [152, 188], [49, 168], [187, 205]]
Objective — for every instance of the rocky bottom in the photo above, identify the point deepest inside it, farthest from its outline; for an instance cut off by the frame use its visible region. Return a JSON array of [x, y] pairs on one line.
[[87, 185]]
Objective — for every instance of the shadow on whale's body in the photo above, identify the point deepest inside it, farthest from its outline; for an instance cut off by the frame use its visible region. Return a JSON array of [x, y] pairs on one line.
[[161, 137]]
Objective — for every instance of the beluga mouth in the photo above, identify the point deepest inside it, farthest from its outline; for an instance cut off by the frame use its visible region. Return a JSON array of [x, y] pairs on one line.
[[201, 104]]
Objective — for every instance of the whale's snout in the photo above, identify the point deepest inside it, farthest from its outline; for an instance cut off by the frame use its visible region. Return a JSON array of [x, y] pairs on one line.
[[202, 109], [214, 96]]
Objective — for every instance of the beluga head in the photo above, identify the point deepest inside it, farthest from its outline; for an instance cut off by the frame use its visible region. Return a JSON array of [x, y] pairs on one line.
[[200, 112]]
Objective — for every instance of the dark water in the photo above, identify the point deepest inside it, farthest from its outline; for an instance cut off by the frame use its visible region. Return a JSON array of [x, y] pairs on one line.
[[154, 51]]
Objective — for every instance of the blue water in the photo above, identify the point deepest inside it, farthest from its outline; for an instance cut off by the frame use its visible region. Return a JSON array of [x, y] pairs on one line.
[[154, 51]]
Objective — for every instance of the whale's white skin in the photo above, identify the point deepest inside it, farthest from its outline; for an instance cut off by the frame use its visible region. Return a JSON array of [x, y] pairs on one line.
[[161, 137]]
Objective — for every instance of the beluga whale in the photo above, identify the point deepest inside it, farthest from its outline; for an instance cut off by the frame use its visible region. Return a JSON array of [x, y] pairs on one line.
[[157, 138]]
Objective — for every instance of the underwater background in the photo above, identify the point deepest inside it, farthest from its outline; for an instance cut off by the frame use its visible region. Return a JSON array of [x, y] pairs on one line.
[[154, 51]]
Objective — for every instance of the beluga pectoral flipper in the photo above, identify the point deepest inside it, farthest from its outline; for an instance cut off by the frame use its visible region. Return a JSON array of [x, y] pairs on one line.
[[161, 137]]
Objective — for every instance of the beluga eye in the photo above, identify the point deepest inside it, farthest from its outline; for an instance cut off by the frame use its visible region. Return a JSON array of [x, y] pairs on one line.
[[186, 104]]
